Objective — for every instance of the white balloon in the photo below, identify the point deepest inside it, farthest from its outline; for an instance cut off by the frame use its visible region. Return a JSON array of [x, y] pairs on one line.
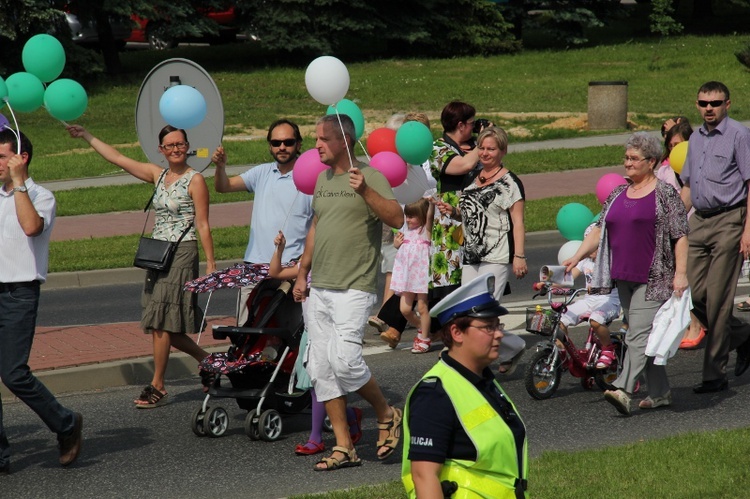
[[327, 80], [568, 250], [414, 187]]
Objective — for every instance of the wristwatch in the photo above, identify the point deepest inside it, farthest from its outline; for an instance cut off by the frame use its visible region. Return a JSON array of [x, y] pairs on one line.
[[19, 189]]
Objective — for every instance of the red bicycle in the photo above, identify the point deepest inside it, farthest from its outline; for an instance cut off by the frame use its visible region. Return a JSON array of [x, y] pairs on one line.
[[559, 353]]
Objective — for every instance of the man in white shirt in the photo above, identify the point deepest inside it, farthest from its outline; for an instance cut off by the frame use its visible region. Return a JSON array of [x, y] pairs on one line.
[[27, 214]]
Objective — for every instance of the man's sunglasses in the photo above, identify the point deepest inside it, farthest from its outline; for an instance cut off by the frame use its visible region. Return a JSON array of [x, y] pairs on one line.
[[286, 142], [714, 103]]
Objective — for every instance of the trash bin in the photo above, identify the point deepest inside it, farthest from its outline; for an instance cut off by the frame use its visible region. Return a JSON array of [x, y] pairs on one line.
[[608, 105]]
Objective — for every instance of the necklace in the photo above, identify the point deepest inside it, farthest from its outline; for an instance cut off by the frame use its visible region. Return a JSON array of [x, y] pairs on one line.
[[484, 179], [636, 189]]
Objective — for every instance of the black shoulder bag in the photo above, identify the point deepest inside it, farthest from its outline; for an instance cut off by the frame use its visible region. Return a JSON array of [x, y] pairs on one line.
[[155, 254]]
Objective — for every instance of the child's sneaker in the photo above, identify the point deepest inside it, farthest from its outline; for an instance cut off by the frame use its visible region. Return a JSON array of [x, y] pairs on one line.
[[420, 345], [606, 357]]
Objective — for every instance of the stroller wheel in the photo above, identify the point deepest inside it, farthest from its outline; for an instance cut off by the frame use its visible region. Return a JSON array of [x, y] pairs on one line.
[[196, 422], [251, 427], [270, 425], [215, 422], [327, 426]]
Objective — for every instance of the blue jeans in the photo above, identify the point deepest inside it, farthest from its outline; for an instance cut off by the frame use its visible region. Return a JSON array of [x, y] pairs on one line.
[[18, 309]]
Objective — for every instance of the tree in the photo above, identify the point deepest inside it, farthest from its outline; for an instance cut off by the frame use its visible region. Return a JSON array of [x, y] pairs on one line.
[[417, 27], [661, 18], [564, 20]]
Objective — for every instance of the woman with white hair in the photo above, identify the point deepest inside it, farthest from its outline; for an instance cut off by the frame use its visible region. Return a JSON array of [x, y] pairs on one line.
[[641, 238]]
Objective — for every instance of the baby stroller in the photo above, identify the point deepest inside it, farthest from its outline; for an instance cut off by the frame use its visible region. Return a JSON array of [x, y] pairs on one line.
[[259, 366]]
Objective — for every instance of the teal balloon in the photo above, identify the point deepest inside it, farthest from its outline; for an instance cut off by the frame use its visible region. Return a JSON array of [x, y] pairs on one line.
[[414, 142], [572, 220], [44, 57], [596, 217], [25, 92], [3, 89], [349, 108], [65, 99]]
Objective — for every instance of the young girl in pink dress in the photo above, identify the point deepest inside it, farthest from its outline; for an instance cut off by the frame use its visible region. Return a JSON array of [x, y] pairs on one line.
[[411, 270]]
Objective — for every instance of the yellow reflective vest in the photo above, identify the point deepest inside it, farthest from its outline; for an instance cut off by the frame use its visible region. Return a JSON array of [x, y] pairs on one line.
[[495, 472]]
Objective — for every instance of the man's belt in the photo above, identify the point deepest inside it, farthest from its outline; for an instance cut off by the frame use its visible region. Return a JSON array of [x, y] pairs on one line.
[[718, 211], [9, 287]]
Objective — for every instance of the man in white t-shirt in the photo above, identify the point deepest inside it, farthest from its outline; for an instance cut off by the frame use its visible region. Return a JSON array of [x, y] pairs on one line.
[[27, 214]]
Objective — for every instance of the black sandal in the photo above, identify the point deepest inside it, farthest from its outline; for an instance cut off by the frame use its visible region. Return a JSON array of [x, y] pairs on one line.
[[145, 394], [155, 398], [208, 379], [743, 306]]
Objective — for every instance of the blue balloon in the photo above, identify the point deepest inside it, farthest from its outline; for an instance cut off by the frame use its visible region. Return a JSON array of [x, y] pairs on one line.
[[182, 106]]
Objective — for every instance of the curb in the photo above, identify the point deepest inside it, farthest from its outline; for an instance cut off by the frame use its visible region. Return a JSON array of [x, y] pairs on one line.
[[92, 377]]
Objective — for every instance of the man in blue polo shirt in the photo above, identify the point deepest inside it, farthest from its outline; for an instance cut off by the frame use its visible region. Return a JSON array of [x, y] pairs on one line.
[[278, 205]]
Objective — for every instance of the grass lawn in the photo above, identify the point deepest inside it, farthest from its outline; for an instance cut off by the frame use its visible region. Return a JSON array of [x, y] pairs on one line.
[[518, 91], [666, 468]]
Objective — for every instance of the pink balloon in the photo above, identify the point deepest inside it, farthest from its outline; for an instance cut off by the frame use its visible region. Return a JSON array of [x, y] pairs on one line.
[[391, 166], [306, 170], [607, 184]]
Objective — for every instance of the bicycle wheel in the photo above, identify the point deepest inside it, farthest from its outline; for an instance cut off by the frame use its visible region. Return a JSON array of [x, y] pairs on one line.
[[542, 376]]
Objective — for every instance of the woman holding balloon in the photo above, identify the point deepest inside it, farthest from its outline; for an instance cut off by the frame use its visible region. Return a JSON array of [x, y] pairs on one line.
[[180, 200]]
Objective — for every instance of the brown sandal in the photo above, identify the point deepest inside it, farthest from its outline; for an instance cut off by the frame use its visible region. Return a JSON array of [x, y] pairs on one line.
[[392, 339], [393, 427], [350, 460]]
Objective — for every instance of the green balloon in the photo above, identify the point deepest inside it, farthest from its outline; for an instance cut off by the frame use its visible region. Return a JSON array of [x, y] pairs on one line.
[[3, 89], [65, 99], [414, 142], [44, 57], [572, 220], [349, 108], [25, 92]]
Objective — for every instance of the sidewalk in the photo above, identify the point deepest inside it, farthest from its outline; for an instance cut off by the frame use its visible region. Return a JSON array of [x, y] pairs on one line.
[[79, 358]]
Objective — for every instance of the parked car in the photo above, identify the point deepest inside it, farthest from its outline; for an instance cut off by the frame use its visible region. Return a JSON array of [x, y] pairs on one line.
[[86, 34], [153, 33]]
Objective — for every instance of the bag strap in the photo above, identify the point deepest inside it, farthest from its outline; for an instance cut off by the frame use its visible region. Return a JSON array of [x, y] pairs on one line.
[[147, 209]]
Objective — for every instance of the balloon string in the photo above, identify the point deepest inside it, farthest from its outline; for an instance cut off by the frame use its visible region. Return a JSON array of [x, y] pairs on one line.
[[289, 211], [364, 150], [348, 149], [17, 132]]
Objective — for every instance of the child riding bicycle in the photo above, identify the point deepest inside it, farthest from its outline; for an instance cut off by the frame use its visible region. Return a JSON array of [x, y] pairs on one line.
[[600, 309]]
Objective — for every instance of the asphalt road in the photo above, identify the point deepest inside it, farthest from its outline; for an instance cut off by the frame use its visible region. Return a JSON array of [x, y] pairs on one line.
[[121, 303], [145, 453], [136, 453]]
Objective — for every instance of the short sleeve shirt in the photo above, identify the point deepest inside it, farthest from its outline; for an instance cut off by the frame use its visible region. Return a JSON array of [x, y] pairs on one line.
[[348, 233], [278, 206]]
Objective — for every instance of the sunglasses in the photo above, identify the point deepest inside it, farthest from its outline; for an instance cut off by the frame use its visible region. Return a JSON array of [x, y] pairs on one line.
[[286, 142], [713, 103]]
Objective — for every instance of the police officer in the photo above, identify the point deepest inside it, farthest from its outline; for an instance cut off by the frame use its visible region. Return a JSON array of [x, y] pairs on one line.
[[463, 435]]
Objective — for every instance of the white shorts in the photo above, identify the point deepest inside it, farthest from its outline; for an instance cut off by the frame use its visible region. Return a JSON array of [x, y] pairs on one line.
[[600, 308], [336, 328]]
